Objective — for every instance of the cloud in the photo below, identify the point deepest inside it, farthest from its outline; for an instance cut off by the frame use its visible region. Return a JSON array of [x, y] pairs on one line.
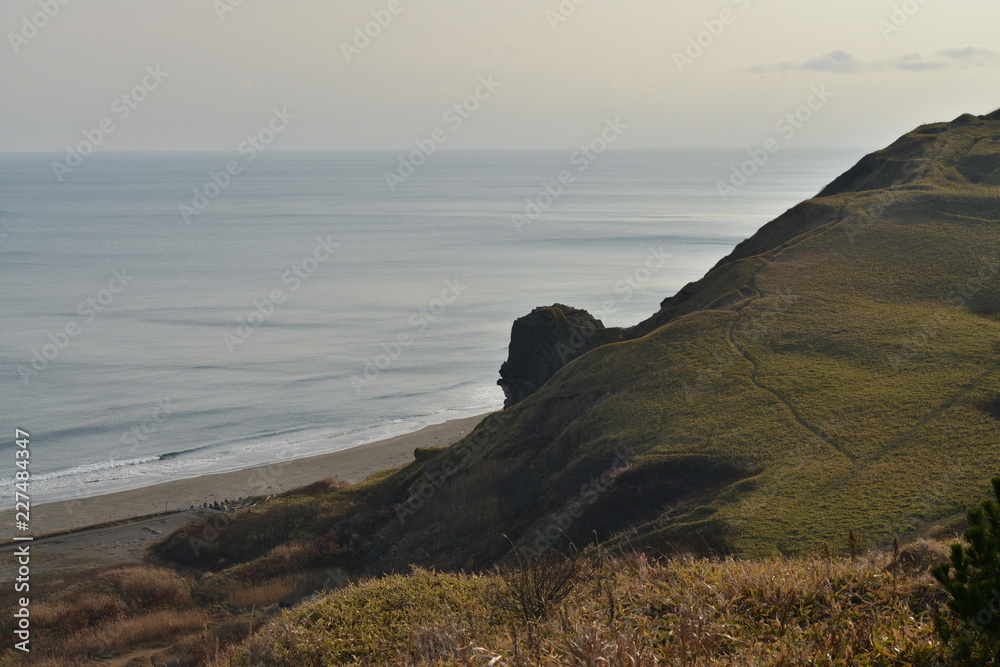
[[838, 61], [844, 62], [973, 56]]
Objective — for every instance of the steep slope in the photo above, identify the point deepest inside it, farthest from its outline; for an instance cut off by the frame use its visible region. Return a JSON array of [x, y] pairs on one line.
[[840, 370], [835, 372]]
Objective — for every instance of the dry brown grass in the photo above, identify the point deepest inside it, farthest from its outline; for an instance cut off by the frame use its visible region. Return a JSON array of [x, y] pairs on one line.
[[114, 637], [252, 533], [265, 594], [283, 559], [64, 606], [630, 611], [875, 610], [77, 612], [921, 555], [207, 646], [596, 644], [148, 587], [76, 619]]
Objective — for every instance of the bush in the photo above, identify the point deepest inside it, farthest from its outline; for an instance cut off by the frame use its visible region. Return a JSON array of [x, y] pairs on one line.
[[322, 487], [423, 454], [533, 589], [972, 580]]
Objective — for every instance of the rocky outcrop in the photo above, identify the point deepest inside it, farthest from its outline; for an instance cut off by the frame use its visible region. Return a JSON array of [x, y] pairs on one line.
[[544, 341]]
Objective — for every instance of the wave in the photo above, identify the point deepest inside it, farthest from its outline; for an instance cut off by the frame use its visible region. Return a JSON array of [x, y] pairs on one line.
[[97, 468], [120, 474], [182, 452], [89, 469]]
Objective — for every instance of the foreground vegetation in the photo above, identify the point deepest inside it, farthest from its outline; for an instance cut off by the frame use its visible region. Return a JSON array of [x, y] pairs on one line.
[[625, 611], [293, 597], [115, 615], [876, 609], [972, 578], [274, 589]]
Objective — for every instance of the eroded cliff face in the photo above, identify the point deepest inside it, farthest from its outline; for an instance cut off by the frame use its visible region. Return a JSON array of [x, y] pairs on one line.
[[544, 341]]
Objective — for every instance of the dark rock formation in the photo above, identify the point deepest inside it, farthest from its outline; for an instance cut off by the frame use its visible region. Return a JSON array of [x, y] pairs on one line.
[[544, 341]]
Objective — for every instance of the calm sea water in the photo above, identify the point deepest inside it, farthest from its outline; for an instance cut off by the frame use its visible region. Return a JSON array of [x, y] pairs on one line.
[[307, 308]]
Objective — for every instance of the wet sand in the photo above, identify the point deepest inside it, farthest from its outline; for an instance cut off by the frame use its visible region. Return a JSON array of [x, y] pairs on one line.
[[173, 500]]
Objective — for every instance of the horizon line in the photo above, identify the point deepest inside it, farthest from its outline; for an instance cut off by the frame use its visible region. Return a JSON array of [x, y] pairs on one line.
[[449, 150]]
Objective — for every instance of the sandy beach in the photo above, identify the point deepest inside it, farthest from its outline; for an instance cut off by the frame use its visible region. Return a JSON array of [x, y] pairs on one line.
[[350, 465]]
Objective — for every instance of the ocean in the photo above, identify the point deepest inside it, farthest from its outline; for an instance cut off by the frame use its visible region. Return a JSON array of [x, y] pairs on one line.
[[174, 314]]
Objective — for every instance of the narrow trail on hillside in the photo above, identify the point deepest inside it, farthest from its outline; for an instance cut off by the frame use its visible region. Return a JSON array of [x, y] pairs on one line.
[[830, 224], [784, 400]]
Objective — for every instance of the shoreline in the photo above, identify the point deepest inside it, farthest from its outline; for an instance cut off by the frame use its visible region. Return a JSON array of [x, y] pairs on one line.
[[350, 465]]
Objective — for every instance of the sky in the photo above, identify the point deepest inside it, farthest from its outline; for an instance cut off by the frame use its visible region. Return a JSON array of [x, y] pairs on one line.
[[146, 75]]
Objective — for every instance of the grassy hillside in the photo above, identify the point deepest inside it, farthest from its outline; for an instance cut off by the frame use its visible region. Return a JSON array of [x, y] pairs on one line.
[[838, 371]]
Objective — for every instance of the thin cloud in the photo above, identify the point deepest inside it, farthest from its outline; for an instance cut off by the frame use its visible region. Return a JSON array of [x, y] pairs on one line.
[[844, 62]]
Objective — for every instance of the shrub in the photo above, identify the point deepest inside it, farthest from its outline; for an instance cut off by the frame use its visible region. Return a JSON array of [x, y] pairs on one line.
[[422, 454], [533, 589], [319, 488], [972, 580]]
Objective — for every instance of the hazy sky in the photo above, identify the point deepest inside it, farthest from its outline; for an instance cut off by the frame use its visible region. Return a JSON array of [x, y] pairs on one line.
[[228, 63]]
